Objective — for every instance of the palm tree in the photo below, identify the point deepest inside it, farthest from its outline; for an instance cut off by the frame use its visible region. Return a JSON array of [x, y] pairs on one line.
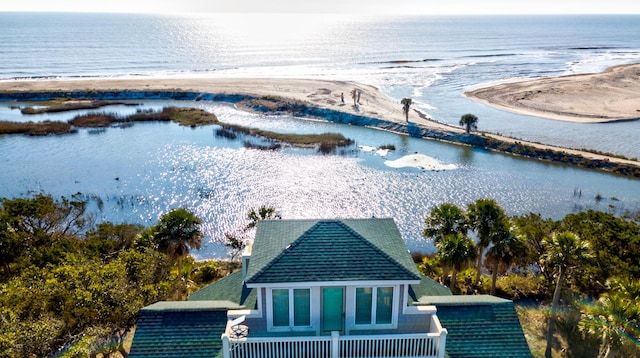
[[485, 217], [237, 241], [455, 250], [565, 252], [506, 248], [445, 219], [470, 121], [615, 317], [263, 213], [406, 103], [176, 232]]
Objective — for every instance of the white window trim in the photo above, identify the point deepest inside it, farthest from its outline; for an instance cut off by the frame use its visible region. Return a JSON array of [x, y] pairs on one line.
[[374, 295], [291, 326]]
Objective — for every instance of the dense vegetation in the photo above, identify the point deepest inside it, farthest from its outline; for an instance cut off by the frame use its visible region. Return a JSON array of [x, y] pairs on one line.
[[584, 268], [72, 289]]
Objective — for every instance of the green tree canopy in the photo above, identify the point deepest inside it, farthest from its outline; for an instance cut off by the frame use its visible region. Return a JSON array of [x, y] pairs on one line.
[[565, 253], [456, 251], [176, 232], [445, 219], [489, 221], [505, 249], [469, 121], [615, 318], [614, 241]]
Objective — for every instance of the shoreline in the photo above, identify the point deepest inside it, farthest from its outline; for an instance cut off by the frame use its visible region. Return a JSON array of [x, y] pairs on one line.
[[318, 99], [609, 96]]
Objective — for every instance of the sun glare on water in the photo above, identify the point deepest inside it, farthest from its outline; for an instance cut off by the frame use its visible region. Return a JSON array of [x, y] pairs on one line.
[[263, 30]]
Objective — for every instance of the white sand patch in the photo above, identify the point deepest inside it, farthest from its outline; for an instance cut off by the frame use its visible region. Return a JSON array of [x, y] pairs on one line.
[[419, 161], [367, 148], [382, 152], [374, 150]]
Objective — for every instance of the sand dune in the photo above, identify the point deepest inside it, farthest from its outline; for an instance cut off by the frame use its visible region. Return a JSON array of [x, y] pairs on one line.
[[612, 95]]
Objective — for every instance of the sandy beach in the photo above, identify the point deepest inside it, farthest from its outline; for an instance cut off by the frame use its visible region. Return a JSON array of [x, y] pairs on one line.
[[612, 95], [320, 93], [325, 94]]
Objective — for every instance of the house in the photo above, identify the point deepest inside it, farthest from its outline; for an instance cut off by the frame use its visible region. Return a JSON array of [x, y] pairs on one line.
[[329, 288]]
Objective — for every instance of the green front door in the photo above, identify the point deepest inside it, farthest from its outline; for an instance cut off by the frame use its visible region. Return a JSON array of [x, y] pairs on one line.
[[332, 309]]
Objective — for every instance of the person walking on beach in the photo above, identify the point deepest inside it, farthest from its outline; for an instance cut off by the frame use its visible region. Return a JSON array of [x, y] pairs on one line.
[[342, 97]]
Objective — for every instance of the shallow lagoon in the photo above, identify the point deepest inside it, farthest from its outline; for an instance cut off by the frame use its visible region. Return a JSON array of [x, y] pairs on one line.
[[136, 174]]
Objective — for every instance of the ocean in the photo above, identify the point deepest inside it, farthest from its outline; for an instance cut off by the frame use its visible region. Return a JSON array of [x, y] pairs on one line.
[[432, 59]]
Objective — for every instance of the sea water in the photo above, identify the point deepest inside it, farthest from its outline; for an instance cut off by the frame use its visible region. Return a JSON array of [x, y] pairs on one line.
[[136, 174]]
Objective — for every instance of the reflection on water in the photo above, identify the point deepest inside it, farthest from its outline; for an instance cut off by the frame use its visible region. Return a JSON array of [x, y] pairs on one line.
[[136, 174]]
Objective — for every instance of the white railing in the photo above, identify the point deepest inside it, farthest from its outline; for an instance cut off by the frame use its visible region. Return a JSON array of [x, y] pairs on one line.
[[424, 345], [390, 346], [290, 347]]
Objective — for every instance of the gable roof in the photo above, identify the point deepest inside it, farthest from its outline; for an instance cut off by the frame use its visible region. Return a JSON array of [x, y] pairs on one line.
[[287, 251], [480, 326], [179, 329]]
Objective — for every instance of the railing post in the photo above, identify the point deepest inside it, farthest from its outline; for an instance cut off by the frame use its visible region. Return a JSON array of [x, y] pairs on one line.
[[226, 352], [443, 343], [335, 344]]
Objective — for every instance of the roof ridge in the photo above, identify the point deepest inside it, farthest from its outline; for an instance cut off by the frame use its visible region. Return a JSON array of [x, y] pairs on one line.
[[377, 249], [272, 262]]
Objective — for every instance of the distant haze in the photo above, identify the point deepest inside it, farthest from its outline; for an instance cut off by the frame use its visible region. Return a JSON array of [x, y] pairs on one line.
[[332, 6]]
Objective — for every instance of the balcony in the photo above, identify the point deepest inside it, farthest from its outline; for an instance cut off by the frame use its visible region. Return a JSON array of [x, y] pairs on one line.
[[416, 345]]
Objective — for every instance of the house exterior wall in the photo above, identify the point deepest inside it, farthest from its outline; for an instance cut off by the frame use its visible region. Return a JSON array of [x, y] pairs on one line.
[[404, 320]]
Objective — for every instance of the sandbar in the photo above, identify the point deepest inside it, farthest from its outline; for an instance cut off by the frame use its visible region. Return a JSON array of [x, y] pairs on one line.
[[612, 95], [320, 93], [317, 92]]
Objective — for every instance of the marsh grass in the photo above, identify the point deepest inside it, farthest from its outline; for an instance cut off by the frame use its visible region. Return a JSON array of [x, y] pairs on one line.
[[325, 141], [68, 104], [184, 116], [35, 128]]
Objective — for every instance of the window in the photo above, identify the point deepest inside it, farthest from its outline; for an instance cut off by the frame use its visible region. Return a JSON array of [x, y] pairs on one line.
[[374, 305], [280, 307], [364, 297], [291, 307], [302, 307], [384, 305]]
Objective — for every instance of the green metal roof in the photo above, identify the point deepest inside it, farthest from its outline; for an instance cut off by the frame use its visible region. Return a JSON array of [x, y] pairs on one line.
[[229, 289], [177, 330], [287, 251], [481, 326]]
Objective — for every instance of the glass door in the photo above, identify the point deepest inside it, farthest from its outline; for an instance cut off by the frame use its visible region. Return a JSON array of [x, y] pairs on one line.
[[332, 309]]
